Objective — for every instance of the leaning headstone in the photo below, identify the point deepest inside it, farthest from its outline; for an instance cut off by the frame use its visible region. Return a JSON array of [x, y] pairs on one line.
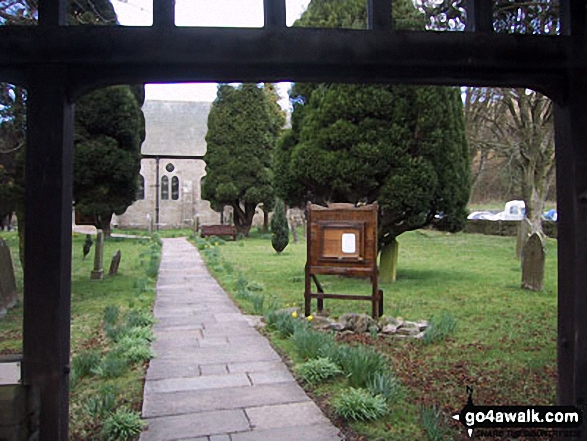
[[98, 272], [533, 263], [7, 281], [524, 231], [114, 264]]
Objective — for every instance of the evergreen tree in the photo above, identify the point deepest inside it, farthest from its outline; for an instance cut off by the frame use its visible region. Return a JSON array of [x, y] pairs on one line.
[[243, 126], [109, 131], [279, 227], [106, 162], [403, 146]]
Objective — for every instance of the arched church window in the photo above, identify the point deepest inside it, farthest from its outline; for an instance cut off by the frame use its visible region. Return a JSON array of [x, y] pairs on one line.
[[140, 195], [175, 188], [164, 188]]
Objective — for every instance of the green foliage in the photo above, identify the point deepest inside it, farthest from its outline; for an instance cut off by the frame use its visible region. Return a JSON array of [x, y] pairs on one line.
[[124, 424], [109, 130], [84, 364], [386, 385], [279, 227], [257, 300], [111, 314], [440, 327], [360, 364], [359, 405], [134, 348], [403, 146], [102, 404], [317, 370], [433, 423], [284, 323], [243, 125], [255, 286], [111, 366], [311, 344]]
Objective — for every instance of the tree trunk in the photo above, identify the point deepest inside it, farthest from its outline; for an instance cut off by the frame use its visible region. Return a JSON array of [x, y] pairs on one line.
[[103, 223], [243, 219], [388, 262], [265, 222]]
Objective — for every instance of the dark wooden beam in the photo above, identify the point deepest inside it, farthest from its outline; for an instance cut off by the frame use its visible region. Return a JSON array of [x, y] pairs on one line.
[[573, 17], [275, 14], [379, 15], [47, 256], [163, 14], [53, 12], [102, 55], [571, 163], [479, 16]]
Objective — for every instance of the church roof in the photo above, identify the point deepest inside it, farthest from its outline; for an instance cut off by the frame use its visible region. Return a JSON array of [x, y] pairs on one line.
[[175, 128]]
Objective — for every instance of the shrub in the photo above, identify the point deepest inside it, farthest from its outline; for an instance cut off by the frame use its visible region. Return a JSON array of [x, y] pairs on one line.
[[359, 405], [440, 328], [134, 349], [111, 366], [311, 344], [284, 323], [385, 385], [433, 423], [317, 370], [279, 227], [124, 424], [102, 404], [84, 363], [111, 314], [257, 301], [255, 286], [360, 365], [139, 318]]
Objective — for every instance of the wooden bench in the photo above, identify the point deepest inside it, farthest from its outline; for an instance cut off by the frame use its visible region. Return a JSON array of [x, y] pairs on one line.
[[218, 230]]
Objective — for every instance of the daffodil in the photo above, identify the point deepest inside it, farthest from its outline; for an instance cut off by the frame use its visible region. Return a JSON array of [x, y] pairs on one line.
[[294, 314], [310, 318]]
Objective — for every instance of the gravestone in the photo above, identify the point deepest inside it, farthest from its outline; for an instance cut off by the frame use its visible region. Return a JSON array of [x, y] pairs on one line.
[[114, 264], [524, 231], [7, 281], [533, 263], [98, 272]]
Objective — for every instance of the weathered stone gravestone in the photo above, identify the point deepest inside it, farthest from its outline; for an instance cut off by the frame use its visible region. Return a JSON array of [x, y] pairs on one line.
[[114, 264], [533, 263], [524, 231], [98, 272], [7, 280]]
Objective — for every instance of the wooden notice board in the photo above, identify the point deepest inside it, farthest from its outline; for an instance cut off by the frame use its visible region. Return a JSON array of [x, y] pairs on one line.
[[342, 240]]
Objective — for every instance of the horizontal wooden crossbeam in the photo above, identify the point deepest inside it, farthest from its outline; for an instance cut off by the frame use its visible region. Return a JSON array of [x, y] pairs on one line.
[[99, 55]]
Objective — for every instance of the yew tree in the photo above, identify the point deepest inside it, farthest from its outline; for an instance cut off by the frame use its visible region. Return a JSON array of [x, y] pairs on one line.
[[402, 146], [243, 126]]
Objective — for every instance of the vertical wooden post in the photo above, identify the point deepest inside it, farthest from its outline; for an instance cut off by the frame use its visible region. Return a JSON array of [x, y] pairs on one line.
[[164, 13], [275, 13], [571, 163], [47, 275], [379, 15], [53, 12], [479, 16]]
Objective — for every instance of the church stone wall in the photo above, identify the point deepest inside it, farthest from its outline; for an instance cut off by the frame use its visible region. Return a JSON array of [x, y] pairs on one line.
[[178, 213]]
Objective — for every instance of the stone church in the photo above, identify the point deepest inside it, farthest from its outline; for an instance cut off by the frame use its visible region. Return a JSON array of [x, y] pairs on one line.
[[172, 168]]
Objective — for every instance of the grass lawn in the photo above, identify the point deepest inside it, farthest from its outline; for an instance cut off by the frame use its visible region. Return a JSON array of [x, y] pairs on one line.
[[132, 289], [504, 345]]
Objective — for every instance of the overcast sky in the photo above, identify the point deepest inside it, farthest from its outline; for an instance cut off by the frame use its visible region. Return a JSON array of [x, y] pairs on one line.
[[223, 13]]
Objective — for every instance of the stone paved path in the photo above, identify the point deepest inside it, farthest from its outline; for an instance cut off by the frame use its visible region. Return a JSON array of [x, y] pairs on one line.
[[215, 378]]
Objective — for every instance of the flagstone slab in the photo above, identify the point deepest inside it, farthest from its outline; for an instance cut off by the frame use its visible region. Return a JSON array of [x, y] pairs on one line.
[[176, 403], [194, 425]]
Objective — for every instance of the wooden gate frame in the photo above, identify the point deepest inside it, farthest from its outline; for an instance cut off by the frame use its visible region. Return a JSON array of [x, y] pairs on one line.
[[322, 259]]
